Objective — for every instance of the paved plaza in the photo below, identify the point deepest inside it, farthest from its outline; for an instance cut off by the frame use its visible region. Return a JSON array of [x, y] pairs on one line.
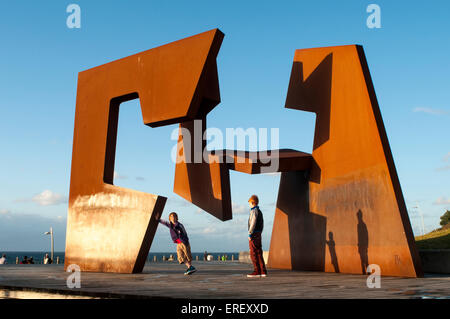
[[213, 280]]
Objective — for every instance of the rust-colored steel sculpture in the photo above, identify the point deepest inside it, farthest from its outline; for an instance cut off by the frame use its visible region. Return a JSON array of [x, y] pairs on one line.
[[348, 211], [110, 228], [339, 209]]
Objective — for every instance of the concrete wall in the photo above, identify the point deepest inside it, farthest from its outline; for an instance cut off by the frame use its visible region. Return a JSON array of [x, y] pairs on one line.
[[435, 260], [244, 257]]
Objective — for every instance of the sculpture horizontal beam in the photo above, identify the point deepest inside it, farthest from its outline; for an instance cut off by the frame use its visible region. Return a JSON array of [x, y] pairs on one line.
[[271, 161]]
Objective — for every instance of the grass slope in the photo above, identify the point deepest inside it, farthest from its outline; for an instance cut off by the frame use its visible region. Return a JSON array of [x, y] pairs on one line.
[[437, 239]]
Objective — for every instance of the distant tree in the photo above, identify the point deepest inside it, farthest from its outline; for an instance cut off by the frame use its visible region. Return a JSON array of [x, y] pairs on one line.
[[445, 219]]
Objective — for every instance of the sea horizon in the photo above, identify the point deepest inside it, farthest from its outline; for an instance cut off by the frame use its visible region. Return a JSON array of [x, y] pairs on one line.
[[38, 255]]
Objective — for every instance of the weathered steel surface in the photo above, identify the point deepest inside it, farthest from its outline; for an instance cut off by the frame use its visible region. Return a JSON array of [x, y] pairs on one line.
[[350, 212], [110, 228], [201, 179], [271, 161], [338, 210], [207, 184]]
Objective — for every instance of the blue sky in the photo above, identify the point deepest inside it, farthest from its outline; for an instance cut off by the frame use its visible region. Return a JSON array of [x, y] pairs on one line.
[[40, 59]]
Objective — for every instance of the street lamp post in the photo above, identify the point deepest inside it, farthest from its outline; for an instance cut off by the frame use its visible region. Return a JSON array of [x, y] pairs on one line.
[[421, 217], [51, 239]]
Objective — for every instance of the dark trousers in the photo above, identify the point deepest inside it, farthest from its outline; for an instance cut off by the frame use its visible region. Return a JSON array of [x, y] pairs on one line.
[[256, 253]]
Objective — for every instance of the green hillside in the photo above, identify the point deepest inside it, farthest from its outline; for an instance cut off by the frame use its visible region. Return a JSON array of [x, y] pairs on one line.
[[437, 239]]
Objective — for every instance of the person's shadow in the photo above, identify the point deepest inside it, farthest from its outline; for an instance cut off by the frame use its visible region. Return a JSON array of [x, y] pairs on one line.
[[332, 247], [363, 242]]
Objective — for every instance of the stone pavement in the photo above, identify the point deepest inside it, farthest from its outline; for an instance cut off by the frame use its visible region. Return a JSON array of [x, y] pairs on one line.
[[213, 280]]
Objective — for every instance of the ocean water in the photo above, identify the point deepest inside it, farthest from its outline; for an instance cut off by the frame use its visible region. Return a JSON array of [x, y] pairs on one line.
[[38, 256]]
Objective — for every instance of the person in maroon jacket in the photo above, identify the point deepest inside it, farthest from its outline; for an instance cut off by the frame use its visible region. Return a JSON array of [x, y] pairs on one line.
[[255, 228], [180, 237]]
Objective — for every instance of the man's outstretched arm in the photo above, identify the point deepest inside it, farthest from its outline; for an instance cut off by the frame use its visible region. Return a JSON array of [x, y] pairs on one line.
[[164, 222]]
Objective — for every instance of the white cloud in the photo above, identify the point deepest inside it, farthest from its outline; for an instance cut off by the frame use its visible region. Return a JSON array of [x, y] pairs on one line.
[[140, 178], [47, 198], [181, 202], [118, 176], [209, 230], [446, 157], [446, 167], [239, 209], [442, 201], [430, 110]]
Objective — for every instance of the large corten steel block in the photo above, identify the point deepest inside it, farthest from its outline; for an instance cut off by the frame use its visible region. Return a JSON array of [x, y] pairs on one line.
[[110, 228], [348, 210]]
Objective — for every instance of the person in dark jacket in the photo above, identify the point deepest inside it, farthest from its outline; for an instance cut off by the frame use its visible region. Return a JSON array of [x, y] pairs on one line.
[[255, 228], [24, 260], [180, 237], [47, 259]]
